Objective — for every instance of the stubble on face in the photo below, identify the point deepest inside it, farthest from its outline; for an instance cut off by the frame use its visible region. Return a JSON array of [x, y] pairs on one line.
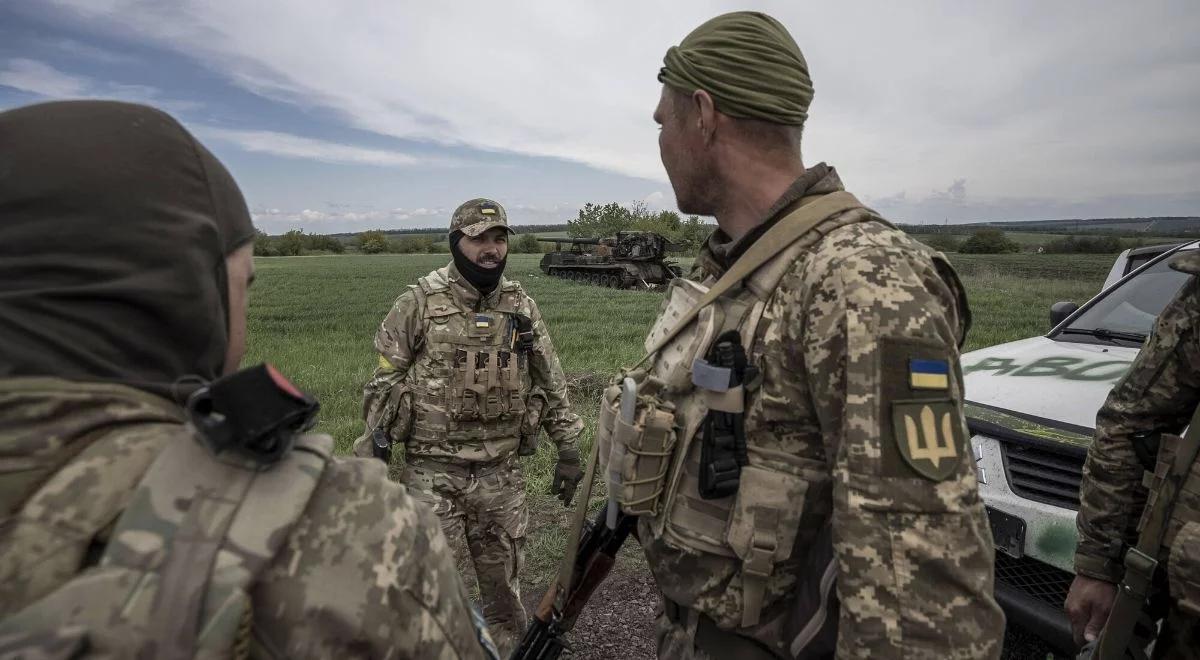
[[681, 148]]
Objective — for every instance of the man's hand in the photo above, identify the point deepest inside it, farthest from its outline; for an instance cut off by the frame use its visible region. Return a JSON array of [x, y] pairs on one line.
[[567, 475], [1088, 604]]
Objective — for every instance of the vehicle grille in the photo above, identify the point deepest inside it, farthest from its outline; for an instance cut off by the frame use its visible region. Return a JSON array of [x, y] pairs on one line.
[[1043, 475], [1034, 578]]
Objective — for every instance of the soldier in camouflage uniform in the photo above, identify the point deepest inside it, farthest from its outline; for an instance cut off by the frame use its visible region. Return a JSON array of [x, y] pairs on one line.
[[128, 252], [1157, 396], [856, 486], [465, 367]]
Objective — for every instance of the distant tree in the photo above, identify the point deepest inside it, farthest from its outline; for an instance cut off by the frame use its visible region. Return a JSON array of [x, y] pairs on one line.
[[264, 245], [373, 242], [942, 242], [292, 243], [989, 241], [437, 247], [1084, 245], [526, 243], [319, 243]]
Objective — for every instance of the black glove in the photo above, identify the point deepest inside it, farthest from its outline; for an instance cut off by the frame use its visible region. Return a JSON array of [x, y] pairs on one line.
[[567, 475]]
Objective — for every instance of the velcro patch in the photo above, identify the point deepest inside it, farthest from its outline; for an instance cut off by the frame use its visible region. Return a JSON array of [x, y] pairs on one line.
[[929, 435], [483, 321], [920, 410]]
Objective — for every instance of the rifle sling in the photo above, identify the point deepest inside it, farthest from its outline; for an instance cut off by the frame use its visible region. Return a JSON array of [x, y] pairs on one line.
[[1141, 561]]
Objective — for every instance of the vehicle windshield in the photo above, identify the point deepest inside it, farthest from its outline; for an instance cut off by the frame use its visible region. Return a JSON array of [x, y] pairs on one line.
[[1129, 310]]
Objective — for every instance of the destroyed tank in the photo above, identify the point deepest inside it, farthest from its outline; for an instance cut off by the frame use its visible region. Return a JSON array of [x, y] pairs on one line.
[[629, 260]]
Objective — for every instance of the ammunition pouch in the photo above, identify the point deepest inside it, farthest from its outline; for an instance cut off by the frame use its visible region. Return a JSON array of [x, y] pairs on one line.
[[723, 439], [637, 455]]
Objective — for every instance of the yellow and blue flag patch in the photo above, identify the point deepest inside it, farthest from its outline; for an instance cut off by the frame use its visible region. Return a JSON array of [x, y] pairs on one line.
[[483, 321], [928, 374]]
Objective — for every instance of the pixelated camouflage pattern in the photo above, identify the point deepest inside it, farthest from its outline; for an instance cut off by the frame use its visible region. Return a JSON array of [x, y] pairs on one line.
[[914, 555], [363, 571], [1159, 394], [418, 319], [487, 516]]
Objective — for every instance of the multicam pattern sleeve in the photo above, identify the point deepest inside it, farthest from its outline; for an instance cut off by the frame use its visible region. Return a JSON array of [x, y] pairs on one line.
[[560, 421], [366, 572], [397, 341], [1158, 394], [913, 549]]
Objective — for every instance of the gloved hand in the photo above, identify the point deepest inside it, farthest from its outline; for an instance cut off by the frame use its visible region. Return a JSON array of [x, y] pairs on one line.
[[567, 475]]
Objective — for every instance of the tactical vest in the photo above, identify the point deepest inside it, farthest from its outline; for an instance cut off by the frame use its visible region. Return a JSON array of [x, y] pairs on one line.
[[471, 379], [654, 463], [173, 580]]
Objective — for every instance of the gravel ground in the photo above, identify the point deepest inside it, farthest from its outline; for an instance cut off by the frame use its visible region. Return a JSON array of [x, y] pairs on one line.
[[618, 623]]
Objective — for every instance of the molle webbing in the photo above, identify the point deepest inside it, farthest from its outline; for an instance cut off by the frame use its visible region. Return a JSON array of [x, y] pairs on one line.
[[691, 522]]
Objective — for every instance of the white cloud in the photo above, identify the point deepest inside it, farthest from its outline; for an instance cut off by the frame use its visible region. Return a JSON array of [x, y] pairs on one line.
[[42, 79], [658, 201], [1023, 99], [296, 146]]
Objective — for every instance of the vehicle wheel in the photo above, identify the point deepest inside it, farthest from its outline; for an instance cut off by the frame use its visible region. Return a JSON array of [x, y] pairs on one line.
[[614, 281]]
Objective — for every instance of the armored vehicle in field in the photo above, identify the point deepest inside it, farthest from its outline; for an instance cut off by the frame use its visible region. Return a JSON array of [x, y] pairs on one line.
[[629, 260]]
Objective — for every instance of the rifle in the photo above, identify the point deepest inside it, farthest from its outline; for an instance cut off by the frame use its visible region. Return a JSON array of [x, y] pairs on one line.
[[543, 639]]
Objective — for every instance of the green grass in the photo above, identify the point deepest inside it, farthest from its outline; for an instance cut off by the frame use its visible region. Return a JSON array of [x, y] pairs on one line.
[[315, 318]]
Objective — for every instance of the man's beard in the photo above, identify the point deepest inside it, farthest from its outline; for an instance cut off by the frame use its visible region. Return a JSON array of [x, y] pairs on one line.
[[483, 278], [696, 193]]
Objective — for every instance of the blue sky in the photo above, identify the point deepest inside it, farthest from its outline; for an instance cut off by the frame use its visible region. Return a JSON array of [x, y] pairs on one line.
[[344, 116]]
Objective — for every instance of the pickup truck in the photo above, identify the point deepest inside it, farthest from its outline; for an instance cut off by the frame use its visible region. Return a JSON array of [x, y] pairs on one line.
[[1031, 410]]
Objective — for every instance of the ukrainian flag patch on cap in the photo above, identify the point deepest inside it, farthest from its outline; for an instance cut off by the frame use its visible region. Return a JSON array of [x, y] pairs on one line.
[[928, 374], [483, 321], [487, 208]]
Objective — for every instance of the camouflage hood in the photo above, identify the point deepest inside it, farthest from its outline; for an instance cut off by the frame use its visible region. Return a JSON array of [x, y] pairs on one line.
[[44, 422]]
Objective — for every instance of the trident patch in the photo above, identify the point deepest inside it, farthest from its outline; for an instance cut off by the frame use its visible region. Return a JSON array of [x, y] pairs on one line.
[[929, 435]]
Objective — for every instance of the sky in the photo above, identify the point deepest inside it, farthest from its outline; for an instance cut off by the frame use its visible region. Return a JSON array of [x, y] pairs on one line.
[[342, 116]]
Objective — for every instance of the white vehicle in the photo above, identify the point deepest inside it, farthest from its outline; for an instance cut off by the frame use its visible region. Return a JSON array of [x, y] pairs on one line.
[[1031, 409]]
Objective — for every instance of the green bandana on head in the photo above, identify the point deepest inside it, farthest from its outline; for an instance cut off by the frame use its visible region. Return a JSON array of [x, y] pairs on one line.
[[749, 64]]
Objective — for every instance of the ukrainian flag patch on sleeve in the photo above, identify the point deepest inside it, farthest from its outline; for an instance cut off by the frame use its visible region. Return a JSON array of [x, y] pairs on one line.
[[483, 321], [928, 374]]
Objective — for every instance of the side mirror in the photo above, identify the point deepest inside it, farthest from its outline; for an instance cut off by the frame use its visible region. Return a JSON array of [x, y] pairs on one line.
[[1059, 312]]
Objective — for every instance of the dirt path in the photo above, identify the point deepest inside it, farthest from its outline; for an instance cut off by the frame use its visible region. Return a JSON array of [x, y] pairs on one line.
[[618, 623]]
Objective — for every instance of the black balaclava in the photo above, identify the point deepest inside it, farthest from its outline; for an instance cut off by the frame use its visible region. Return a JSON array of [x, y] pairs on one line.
[[483, 279], [114, 227]]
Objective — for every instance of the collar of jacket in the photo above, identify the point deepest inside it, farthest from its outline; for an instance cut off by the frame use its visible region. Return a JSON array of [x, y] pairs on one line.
[[466, 293], [719, 253]]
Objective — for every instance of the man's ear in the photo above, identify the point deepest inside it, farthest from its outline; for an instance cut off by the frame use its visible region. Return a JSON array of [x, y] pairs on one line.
[[706, 114]]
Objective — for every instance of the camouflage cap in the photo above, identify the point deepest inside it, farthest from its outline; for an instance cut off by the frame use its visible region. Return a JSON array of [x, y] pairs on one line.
[[477, 216]]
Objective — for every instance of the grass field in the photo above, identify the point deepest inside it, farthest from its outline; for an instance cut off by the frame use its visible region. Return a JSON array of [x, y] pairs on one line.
[[315, 317]]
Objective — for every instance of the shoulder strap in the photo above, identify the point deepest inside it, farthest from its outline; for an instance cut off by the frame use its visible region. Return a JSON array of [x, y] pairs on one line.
[[200, 507], [775, 240]]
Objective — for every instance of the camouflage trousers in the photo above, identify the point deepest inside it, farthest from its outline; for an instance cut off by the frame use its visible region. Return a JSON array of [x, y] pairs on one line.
[[483, 510], [686, 634]]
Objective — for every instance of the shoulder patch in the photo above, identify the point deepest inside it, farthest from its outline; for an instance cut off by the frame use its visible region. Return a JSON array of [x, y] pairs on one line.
[[920, 410]]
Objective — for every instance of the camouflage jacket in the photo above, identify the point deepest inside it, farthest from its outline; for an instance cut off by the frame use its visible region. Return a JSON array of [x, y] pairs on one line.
[[453, 379], [364, 572], [1158, 394], [838, 344]]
